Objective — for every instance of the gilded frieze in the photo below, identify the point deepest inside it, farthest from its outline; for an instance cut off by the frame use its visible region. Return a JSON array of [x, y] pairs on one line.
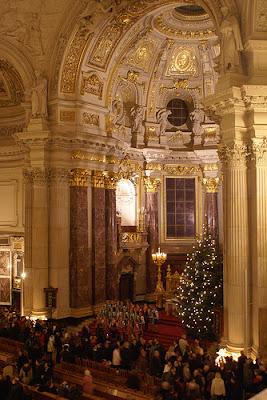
[[152, 101], [90, 119], [92, 83], [67, 116], [72, 61], [79, 155], [210, 167], [174, 169]]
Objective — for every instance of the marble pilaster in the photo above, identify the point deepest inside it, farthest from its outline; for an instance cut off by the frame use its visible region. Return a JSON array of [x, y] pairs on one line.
[[36, 245], [98, 238], [212, 215], [59, 228], [111, 241], [151, 185], [79, 251]]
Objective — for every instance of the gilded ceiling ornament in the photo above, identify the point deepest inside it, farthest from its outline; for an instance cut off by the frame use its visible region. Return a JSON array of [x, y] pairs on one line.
[[79, 177], [67, 116], [153, 167], [90, 119], [183, 62], [72, 61], [92, 83], [211, 184], [128, 168], [141, 57]]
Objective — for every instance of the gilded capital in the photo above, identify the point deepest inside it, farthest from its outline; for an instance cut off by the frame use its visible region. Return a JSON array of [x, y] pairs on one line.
[[233, 156], [151, 184], [111, 180], [79, 177], [211, 184], [98, 179]]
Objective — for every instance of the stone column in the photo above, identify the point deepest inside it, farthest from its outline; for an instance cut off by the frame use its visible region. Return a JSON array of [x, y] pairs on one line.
[[59, 239], [112, 289], [36, 245], [79, 250], [236, 254], [151, 186], [98, 238], [258, 238], [212, 217]]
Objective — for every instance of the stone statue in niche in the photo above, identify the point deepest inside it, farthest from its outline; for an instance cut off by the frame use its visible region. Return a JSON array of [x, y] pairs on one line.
[[39, 96], [117, 108], [137, 114], [162, 119], [197, 117], [231, 44]]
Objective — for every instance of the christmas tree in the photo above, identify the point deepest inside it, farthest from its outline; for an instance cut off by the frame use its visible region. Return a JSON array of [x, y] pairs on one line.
[[200, 289]]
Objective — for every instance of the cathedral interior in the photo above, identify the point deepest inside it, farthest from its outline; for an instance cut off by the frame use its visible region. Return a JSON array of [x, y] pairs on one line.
[[128, 126]]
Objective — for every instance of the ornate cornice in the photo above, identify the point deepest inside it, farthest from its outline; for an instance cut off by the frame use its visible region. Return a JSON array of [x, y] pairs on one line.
[[59, 177], [211, 184], [182, 169], [79, 177], [233, 156], [151, 184]]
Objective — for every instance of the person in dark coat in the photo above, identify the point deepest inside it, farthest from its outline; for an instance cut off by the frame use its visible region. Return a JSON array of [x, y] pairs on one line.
[[155, 364]]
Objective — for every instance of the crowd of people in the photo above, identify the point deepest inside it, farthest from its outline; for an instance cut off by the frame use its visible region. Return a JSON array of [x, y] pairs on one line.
[[186, 370]]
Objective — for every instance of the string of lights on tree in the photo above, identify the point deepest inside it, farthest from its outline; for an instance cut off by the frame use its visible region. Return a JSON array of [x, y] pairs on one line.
[[200, 289]]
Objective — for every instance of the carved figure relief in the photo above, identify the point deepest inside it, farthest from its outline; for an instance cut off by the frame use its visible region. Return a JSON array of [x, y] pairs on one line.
[[92, 83], [183, 62], [39, 96], [105, 45], [231, 44], [197, 117], [137, 114]]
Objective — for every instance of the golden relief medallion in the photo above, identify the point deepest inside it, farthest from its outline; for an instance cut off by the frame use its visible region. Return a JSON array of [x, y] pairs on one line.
[[183, 62]]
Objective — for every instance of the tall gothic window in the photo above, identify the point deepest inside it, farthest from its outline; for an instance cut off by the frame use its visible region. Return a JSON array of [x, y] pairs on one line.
[[180, 207]]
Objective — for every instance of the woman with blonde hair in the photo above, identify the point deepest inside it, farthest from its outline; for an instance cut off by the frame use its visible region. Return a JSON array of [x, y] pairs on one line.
[[87, 382]]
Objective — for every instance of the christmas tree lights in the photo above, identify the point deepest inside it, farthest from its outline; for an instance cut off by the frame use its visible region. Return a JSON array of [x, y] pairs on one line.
[[200, 289]]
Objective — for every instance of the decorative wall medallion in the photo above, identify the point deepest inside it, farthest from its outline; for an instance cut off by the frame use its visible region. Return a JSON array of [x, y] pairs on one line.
[[72, 61], [92, 83], [183, 62], [104, 46], [141, 57], [90, 119], [67, 116]]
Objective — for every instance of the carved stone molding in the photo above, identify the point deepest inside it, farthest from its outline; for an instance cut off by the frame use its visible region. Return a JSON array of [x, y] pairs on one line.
[[79, 177], [92, 83], [90, 119], [211, 184], [59, 177], [258, 152], [36, 176], [233, 156], [151, 184], [67, 116]]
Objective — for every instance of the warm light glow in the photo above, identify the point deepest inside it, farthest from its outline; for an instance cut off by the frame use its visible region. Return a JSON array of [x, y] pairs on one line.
[[159, 257], [223, 354], [23, 275], [40, 317]]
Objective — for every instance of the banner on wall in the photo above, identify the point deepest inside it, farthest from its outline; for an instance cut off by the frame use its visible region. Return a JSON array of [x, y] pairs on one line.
[[5, 277]]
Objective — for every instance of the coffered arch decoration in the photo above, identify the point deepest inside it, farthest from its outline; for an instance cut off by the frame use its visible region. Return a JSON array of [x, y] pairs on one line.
[[11, 85], [119, 22]]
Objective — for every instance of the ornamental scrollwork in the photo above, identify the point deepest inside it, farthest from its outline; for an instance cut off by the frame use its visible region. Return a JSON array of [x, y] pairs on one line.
[[233, 156]]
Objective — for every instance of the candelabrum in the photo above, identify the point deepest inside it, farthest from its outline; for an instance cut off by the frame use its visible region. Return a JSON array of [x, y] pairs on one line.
[[159, 259]]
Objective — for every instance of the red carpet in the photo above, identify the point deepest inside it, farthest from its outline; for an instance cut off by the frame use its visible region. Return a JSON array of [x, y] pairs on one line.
[[169, 329]]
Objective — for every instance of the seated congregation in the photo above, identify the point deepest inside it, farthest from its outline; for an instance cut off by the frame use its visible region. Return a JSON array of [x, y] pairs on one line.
[[106, 353]]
